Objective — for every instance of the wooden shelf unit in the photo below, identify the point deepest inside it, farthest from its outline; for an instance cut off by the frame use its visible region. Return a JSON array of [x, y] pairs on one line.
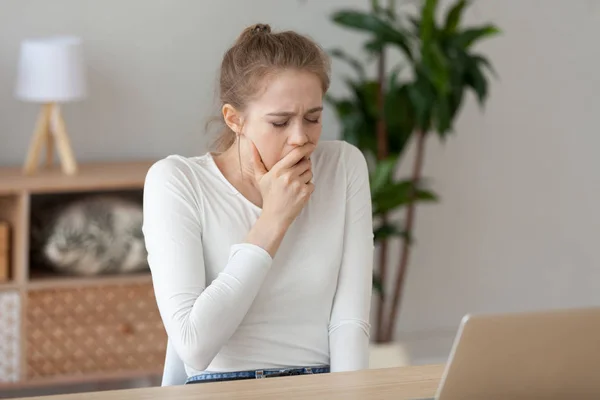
[[57, 329]]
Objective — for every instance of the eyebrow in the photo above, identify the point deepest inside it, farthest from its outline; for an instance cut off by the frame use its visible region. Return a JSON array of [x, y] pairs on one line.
[[291, 113]]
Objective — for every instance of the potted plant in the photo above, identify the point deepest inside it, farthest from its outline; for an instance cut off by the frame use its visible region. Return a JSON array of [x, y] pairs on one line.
[[383, 114]]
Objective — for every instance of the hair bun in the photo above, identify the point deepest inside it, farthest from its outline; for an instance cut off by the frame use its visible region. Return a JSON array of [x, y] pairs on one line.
[[261, 28], [253, 30]]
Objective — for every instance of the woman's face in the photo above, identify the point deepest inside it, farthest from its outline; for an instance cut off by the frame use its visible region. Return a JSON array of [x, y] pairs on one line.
[[287, 114]]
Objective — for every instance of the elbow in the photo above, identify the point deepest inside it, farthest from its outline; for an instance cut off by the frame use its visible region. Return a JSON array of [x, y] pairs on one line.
[[198, 357], [195, 355], [193, 348]]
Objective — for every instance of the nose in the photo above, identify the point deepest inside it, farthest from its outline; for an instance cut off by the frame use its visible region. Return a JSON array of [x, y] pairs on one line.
[[298, 136]]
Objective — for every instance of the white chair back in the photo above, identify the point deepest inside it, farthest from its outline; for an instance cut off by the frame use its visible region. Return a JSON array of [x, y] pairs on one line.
[[174, 370]]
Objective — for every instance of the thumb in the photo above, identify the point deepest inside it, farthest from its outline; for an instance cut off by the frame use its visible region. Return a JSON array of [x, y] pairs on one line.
[[257, 163]]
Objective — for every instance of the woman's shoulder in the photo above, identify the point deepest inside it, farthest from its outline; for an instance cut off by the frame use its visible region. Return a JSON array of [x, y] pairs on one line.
[[339, 156], [176, 162], [180, 170], [339, 149]]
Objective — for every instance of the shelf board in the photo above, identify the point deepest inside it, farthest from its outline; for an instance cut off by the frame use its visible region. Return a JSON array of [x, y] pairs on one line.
[[9, 285], [44, 280], [90, 177]]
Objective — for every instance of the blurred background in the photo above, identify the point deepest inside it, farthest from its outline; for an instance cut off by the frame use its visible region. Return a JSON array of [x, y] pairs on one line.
[[515, 222]]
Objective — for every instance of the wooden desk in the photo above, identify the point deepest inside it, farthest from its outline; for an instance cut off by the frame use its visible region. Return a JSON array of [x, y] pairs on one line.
[[392, 383]]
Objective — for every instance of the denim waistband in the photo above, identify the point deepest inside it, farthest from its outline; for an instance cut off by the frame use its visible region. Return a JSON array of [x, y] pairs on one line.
[[257, 374]]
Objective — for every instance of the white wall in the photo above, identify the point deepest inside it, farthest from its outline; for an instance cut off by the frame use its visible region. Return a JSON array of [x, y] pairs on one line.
[[517, 225], [152, 63]]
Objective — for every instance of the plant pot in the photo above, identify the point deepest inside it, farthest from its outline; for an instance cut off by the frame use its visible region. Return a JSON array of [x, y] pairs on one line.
[[388, 355]]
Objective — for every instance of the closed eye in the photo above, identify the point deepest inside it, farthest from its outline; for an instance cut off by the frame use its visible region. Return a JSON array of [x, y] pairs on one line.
[[279, 124], [284, 124]]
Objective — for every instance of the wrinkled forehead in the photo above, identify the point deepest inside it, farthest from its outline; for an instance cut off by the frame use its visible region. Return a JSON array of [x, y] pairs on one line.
[[295, 91]]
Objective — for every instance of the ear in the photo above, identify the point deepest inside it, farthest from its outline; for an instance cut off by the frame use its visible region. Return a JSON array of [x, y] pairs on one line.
[[233, 118]]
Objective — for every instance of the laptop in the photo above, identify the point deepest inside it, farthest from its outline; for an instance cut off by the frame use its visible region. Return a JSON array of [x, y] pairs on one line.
[[528, 355]]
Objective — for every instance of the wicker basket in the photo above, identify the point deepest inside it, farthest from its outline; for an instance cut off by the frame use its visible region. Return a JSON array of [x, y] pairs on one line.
[[9, 336], [93, 330]]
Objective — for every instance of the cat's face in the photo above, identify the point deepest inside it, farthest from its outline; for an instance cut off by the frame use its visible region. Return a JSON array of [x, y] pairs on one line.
[[94, 237], [76, 251]]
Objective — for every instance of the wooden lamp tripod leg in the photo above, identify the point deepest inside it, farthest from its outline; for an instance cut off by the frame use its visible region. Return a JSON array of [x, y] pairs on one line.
[[63, 145], [40, 136], [49, 149], [50, 128]]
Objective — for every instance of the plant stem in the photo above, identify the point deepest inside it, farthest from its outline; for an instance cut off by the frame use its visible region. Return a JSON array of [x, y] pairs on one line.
[[382, 153], [382, 140], [380, 324], [409, 223]]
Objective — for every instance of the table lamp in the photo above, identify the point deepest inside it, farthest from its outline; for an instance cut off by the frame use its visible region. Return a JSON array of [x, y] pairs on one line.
[[51, 71]]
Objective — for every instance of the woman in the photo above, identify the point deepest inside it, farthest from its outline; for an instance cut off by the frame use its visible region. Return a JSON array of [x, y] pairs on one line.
[[261, 254]]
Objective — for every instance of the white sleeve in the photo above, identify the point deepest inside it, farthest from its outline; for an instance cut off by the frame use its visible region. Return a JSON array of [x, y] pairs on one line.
[[349, 323], [199, 319]]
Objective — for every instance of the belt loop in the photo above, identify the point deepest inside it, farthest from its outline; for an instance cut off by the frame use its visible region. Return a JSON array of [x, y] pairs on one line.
[[260, 374]]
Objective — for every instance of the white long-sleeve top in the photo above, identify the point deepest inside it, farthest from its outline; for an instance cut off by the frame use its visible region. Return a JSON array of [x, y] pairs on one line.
[[227, 305]]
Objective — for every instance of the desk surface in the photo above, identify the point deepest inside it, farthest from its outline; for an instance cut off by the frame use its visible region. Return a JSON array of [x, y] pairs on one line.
[[391, 383]]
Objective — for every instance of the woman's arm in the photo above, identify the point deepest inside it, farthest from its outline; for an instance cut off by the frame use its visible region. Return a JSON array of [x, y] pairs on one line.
[[349, 323], [199, 319]]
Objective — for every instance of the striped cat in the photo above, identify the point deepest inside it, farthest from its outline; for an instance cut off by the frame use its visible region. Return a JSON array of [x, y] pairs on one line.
[[95, 235]]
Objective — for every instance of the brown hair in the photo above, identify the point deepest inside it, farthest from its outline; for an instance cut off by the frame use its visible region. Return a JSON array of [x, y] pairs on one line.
[[258, 53]]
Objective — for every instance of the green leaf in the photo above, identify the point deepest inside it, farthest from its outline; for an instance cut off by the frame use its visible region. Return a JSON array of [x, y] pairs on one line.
[[357, 114], [389, 231], [416, 23], [399, 116], [387, 13], [364, 22], [438, 66], [383, 31], [393, 77], [428, 21], [390, 11], [333, 102], [454, 15], [377, 285], [350, 118], [479, 59], [391, 8], [398, 194], [422, 98], [382, 174], [468, 37], [443, 117], [460, 63], [353, 62], [476, 80], [366, 97], [342, 107], [374, 47], [386, 231], [375, 6]]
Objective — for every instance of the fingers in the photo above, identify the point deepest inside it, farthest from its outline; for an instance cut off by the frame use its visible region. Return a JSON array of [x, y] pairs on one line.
[[301, 167], [294, 156], [257, 163], [306, 176], [308, 189]]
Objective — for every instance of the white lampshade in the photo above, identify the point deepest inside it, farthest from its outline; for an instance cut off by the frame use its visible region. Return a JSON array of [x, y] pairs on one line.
[[51, 70]]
